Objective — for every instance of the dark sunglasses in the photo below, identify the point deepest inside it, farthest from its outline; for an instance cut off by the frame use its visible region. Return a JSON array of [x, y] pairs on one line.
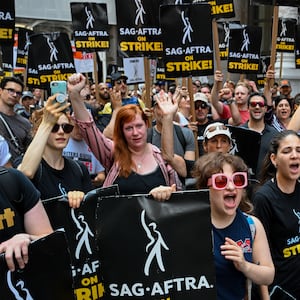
[[120, 81], [67, 128], [220, 181], [255, 103], [200, 104]]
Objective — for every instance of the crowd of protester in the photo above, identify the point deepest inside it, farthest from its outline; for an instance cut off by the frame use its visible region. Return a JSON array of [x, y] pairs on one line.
[[161, 149]]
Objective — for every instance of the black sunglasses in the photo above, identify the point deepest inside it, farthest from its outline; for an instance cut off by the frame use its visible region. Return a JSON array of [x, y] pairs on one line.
[[200, 104], [67, 128], [120, 81]]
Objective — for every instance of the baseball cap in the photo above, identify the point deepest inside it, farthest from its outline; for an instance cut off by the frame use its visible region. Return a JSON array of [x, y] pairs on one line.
[[201, 97], [27, 94], [117, 76], [216, 128], [284, 83]]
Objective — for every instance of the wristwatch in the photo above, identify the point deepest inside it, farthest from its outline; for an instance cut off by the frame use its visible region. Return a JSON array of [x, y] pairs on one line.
[[230, 101]]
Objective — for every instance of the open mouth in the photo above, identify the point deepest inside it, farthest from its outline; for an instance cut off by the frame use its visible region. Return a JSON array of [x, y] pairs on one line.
[[229, 201]]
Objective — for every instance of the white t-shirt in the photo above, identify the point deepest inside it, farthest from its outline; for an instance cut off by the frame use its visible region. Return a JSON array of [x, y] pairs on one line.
[[4, 151], [79, 150]]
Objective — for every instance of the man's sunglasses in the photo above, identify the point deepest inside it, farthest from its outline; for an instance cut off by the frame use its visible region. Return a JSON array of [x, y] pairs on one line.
[[220, 181], [255, 103], [200, 104], [120, 81], [67, 128]]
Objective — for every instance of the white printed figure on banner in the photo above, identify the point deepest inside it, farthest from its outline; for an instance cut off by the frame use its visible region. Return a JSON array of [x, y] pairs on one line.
[[139, 17], [84, 232], [53, 50], [187, 29], [154, 247], [283, 28], [89, 18], [246, 41], [18, 288]]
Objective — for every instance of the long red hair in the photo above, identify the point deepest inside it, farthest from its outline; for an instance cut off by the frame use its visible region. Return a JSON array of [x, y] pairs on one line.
[[122, 154]]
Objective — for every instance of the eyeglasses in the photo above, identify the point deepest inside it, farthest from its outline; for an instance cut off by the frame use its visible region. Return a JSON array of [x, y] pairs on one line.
[[120, 81], [67, 128], [13, 92], [200, 104], [220, 181], [255, 103]]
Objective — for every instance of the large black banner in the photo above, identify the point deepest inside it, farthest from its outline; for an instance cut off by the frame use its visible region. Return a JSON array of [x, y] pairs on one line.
[[276, 2], [297, 47], [138, 27], [22, 46], [285, 41], [50, 58], [244, 50], [7, 21], [188, 49], [156, 250], [80, 227], [47, 274], [90, 26]]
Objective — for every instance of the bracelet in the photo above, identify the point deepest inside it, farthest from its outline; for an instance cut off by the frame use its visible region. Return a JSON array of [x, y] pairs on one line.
[[230, 101]]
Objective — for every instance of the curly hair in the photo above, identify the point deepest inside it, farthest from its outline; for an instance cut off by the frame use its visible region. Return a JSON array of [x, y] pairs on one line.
[[212, 163]]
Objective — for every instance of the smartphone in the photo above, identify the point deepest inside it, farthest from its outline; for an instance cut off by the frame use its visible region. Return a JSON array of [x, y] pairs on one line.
[[60, 88]]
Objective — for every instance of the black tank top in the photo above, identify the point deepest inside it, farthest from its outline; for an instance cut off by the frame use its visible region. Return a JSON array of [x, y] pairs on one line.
[[140, 184]]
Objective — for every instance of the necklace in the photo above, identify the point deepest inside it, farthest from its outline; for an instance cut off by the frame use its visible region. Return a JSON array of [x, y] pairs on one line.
[[140, 163]]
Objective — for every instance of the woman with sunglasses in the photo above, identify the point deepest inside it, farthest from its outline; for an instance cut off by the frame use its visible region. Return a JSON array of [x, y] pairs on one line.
[[135, 165], [240, 246], [43, 162], [277, 205]]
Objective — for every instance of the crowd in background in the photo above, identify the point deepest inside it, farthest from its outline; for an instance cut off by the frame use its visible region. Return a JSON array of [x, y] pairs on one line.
[[105, 134]]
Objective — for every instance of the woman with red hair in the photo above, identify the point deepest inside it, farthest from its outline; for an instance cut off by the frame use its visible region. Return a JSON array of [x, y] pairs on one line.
[[135, 165]]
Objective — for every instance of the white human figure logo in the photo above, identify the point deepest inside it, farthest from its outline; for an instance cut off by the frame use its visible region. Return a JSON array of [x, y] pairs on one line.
[[297, 214], [89, 18], [154, 246], [187, 29], [27, 42], [264, 67], [62, 190], [83, 234], [283, 28], [178, 2], [246, 41], [227, 32], [21, 285], [53, 50], [139, 12]]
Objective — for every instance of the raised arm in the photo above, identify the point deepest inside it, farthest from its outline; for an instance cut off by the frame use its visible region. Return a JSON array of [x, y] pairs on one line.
[[169, 108], [215, 101], [34, 153]]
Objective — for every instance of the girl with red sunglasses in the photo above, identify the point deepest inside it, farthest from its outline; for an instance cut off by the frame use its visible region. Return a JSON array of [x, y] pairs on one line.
[[240, 245]]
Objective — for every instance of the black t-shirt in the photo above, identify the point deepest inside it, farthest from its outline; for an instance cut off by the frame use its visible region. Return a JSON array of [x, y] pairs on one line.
[[280, 214], [12, 210], [54, 183], [140, 184]]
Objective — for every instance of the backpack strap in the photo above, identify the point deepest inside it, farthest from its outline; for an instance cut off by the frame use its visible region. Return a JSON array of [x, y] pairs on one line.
[[251, 225], [178, 132], [180, 136]]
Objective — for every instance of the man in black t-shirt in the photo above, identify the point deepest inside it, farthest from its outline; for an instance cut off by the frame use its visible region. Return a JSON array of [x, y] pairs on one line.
[[22, 217]]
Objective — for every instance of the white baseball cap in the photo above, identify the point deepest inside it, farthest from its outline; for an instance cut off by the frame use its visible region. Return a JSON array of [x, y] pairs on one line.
[[216, 128]]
